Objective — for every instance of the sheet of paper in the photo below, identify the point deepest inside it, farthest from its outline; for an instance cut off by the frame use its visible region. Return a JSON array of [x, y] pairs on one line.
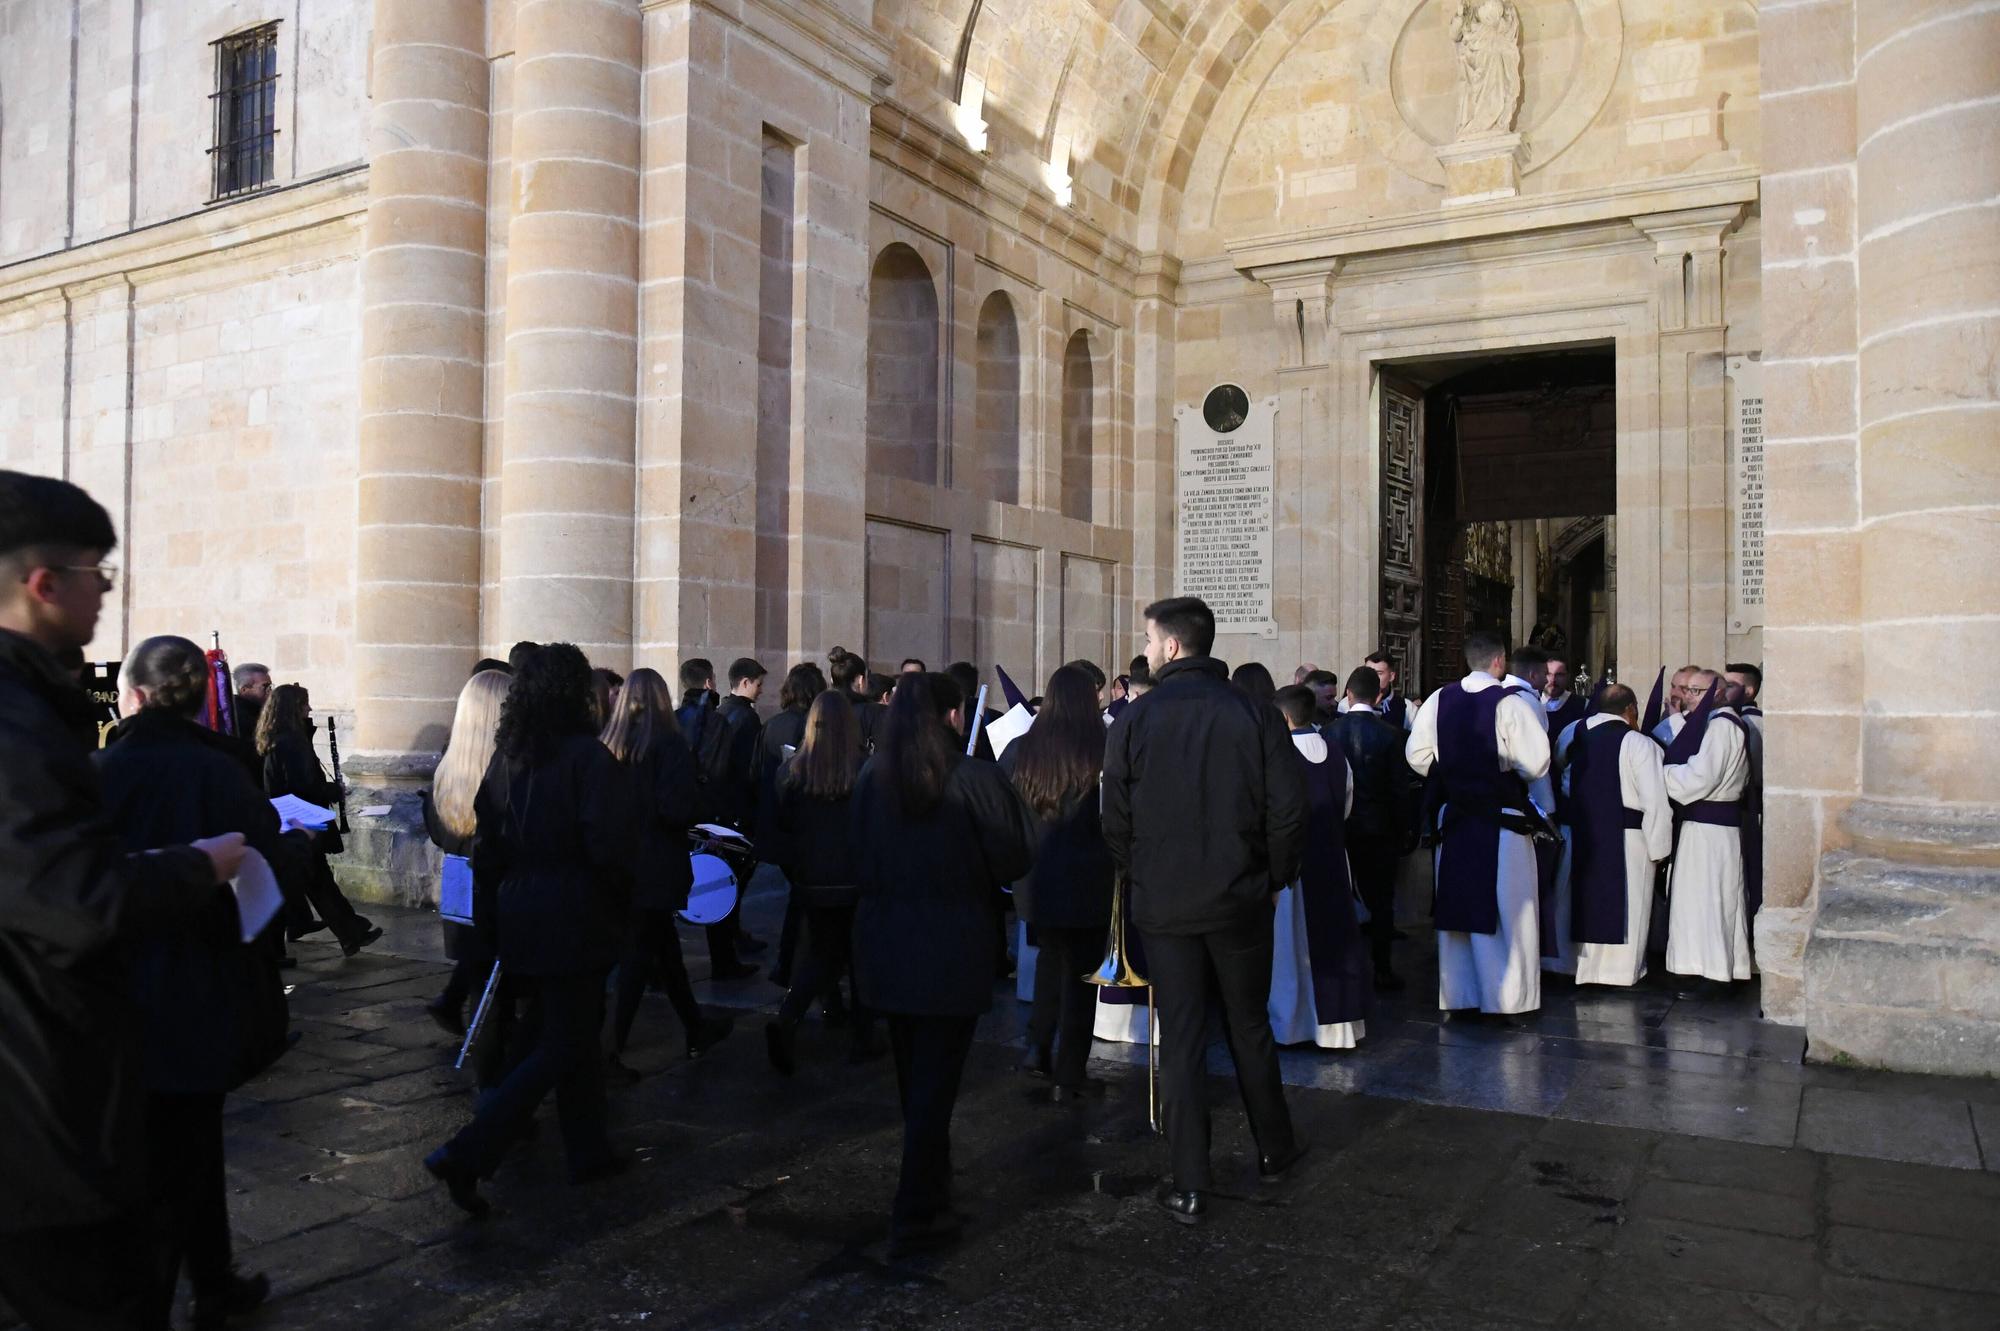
[[1010, 727], [258, 899], [374, 811], [294, 812]]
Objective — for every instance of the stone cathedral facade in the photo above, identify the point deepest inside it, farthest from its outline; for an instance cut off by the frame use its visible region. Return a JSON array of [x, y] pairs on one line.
[[394, 331]]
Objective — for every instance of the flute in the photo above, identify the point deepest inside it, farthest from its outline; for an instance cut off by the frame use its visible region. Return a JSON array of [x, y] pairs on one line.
[[333, 749]]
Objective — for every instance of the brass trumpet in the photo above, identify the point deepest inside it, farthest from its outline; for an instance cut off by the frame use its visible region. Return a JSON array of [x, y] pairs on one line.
[[1116, 972]]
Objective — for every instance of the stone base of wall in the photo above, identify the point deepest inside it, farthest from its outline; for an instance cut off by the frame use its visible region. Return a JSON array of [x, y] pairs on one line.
[[1902, 969], [389, 858]]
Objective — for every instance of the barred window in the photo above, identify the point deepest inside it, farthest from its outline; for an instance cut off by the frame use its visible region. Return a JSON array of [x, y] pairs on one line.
[[246, 102]]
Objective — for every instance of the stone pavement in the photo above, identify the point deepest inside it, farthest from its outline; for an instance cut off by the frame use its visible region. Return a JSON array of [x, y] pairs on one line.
[[1633, 1195]]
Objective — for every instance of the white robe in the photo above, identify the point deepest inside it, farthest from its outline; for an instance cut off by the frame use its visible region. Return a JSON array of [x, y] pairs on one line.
[[1294, 1015], [1496, 972], [1642, 785], [1708, 930]]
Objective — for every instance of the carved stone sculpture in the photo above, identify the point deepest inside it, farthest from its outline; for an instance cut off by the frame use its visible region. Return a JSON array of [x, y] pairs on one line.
[[1487, 34]]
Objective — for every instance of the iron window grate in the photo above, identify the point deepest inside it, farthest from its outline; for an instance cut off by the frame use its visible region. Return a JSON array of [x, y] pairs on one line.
[[246, 112]]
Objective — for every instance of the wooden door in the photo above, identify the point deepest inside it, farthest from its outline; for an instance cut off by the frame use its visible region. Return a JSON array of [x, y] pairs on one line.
[[1402, 553]]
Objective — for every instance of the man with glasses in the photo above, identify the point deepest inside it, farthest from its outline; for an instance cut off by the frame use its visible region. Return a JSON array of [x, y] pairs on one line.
[[76, 1246], [1681, 697]]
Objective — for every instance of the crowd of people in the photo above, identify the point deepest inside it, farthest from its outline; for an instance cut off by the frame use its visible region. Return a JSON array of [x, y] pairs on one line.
[[1248, 840]]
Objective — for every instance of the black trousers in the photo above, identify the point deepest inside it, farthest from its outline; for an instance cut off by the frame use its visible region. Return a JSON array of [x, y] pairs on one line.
[[186, 1188], [566, 1013], [1374, 861], [652, 941], [104, 1276], [1237, 961], [1065, 1008], [788, 933], [930, 1057], [331, 903], [829, 935]]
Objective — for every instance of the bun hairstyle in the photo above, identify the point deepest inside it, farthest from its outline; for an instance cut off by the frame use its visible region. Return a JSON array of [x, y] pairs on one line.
[[171, 672]]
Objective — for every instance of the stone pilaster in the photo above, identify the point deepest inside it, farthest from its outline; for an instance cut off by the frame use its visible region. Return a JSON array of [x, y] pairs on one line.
[[416, 603], [566, 491], [1901, 965]]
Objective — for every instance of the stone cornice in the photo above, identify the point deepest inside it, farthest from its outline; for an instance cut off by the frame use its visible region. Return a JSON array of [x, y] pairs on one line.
[[300, 207], [1297, 253], [813, 32]]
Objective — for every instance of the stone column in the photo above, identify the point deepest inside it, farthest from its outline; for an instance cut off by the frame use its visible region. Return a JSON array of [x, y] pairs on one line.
[[566, 490], [416, 601], [1900, 968]]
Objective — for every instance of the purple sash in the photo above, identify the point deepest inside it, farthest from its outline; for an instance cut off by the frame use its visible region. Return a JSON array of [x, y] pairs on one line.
[[1336, 953], [1598, 821], [1473, 788]]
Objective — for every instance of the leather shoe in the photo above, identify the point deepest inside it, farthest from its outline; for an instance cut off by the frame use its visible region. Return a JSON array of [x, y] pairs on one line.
[[1273, 1168], [708, 1034], [1088, 1087], [781, 1043], [1186, 1207], [1039, 1061], [350, 946], [239, 1297], [461, 1182], [449, 1017]]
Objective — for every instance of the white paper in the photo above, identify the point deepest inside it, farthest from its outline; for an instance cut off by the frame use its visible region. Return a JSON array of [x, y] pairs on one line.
[[374, 811], [258, 899], [1013, 724], [294, 812], [718, 830]]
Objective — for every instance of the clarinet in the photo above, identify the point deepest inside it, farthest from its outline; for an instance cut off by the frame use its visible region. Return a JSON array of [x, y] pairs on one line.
[[333, 749]]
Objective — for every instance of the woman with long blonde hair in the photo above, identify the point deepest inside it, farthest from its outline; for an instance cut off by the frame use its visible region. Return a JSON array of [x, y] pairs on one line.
[[449, 819], [643, 736]]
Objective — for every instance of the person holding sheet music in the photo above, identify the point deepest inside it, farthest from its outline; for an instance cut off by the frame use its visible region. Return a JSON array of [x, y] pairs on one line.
[[643, 735], [284, 740], [555, 848], [448, 818], [212, 1007], [1066, 897]]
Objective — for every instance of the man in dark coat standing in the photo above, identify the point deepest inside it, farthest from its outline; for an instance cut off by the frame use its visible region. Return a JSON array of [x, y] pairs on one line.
[[1382, 826], [1204, 810], [77, 1249]]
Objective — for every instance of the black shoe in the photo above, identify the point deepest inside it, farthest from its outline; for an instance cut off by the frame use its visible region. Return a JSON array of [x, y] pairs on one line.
[[733, 970], [1089, 1089], [350, 946], [611, 1166], [239, 1297], [745, 943], [781, 1043], [708, 1034], [1273, 1168], [449, 1017], [296, 934], [462, 1183], [1186, 1207], [922, 1236], [617, 1073], [1388, 982], [1039, 1061]]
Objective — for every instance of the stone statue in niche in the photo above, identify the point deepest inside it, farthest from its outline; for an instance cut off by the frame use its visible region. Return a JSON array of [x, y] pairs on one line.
[[1487, 34]]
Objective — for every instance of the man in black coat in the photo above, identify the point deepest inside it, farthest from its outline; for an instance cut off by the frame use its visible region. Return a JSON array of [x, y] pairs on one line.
[[1205, 811], [1381, 827], [77, 1249], [728, 762]]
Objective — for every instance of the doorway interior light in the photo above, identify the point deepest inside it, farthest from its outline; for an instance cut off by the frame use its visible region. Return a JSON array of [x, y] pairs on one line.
[[966, 117], [1055, 172]]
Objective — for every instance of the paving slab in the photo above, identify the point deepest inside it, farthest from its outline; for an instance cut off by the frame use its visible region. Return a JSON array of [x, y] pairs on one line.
[[1919, 1129]]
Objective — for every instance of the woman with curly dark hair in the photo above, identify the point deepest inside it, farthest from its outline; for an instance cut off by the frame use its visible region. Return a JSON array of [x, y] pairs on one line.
[[284, 741], [555, 854]]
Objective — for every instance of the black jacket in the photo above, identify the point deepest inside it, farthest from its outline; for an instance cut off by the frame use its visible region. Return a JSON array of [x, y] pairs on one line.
[[924, 927], [788, 727], [292, 768], [72, 1138], [814, 844], [729, 762], [1204, 801], [213, 1008], [868, 715], [666, 802], [1070, 884], [1385, 804], [555, 853]]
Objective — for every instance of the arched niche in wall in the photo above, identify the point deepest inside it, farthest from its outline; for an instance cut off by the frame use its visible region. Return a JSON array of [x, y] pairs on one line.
[[903, 335], [997, 400], [1079, 443]]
